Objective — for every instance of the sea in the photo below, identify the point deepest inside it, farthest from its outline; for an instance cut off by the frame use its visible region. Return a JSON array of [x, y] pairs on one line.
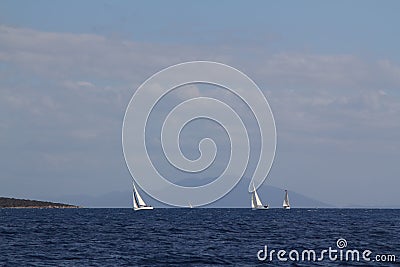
[[199, 237]]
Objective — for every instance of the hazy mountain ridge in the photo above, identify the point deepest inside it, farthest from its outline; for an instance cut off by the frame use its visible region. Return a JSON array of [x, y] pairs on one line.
[[238, 197], [271, 195]]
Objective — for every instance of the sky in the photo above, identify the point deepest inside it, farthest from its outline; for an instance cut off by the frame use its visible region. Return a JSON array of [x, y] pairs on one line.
[[330, 71]]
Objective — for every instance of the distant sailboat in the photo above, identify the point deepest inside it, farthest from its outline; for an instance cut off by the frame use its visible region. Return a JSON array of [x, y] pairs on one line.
[[190, 205], [138, 202], [286, 204], [256, 202]]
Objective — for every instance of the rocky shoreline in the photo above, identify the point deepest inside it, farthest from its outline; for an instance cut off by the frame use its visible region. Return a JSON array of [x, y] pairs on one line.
[[14, 203]]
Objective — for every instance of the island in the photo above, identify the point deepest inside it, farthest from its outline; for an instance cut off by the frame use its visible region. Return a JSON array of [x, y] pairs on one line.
[[32, 204]]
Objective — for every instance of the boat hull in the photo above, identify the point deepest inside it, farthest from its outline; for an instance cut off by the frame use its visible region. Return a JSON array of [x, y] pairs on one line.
[[143, 208], [260, 208]]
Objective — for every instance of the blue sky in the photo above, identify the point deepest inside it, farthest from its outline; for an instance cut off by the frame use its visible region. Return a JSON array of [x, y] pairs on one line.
[[330, 71]]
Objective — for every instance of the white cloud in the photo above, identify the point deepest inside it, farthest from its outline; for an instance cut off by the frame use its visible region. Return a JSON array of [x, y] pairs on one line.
[[336, 73], [67, 55], [351, 121], [76, 85], [391, 70], [305, 89]]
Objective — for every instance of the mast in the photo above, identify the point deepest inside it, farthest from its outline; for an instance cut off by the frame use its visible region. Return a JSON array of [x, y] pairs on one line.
[[135, 204]]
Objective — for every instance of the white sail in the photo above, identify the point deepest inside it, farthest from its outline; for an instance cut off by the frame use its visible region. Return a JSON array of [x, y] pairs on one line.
[[286, 204], [140, 200], [255, 200]]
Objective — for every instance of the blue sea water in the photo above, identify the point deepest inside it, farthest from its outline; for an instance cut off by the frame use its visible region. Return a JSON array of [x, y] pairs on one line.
[[192, 237]]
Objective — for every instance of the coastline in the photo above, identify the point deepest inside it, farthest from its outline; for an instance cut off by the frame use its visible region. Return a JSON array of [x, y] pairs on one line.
[[14, 203], [43, 207]]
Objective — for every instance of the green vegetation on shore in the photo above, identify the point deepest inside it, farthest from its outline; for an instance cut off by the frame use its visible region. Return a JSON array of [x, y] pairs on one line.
[[25, 203]]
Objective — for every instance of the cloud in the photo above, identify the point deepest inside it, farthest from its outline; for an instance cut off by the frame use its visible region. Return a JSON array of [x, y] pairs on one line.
[[326, 72], [77, 56], [391, 71], [342, 118], [90, 57]]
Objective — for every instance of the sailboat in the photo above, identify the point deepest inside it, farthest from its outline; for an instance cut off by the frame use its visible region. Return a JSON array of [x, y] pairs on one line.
[[256, 202], [138, 202], [286, 204]]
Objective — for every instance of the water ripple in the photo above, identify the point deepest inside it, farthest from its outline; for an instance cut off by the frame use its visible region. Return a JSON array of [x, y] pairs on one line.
[[188, 237]]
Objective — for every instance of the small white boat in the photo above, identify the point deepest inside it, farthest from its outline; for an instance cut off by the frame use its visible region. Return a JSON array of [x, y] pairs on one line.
[[256, 202], [138, 202], [286, 204]]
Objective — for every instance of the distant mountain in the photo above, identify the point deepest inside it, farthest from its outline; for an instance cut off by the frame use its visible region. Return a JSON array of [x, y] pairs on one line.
[[114, 199], [238, 197], [25, 203], [273, 196]]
